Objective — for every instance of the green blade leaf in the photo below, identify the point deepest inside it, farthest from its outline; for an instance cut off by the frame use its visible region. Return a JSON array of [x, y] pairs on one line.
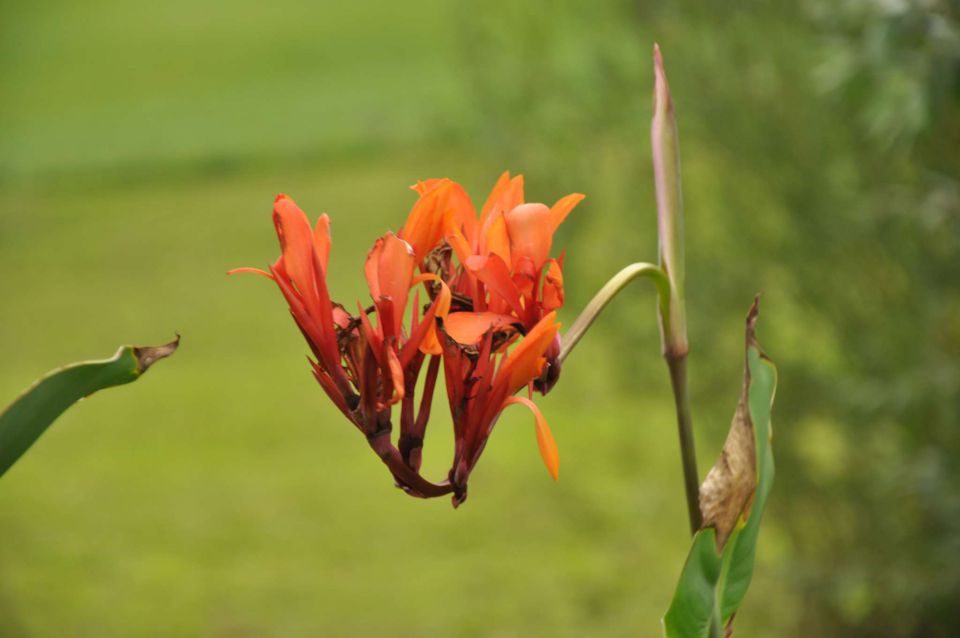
[[693, 606], [719, 568], [31, 414]]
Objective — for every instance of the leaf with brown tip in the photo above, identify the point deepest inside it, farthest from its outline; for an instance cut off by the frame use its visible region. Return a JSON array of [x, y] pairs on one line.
[[24, 420]]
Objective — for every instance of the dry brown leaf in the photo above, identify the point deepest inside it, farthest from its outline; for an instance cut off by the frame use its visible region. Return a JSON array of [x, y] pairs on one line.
[[727, 493]]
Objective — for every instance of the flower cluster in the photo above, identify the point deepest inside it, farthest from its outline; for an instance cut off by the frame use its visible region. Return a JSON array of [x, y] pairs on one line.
[[490, 292]]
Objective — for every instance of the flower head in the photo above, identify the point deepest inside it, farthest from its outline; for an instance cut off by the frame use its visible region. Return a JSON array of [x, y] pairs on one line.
[[491, 292]]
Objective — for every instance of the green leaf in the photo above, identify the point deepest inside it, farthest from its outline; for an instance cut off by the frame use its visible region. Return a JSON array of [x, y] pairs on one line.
[[31, 414], [693, 604], [719, 568]]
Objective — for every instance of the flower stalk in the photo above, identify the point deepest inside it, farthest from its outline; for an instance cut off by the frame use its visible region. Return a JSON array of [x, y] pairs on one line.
[[667, 277], [606, 294], [673, 323]]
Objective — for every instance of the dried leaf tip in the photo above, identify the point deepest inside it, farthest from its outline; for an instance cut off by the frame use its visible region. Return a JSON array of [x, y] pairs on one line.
[[148, 355], [752, 315]]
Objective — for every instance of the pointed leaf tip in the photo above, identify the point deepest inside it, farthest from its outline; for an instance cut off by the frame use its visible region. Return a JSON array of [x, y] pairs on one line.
[[752, 315], [661, 88]]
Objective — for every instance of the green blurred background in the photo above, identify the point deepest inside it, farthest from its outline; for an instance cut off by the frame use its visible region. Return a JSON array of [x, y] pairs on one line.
[[141, 145]]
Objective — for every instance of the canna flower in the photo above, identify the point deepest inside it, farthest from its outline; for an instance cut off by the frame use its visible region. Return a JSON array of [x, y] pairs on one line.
[[481, 382], [490, 292]]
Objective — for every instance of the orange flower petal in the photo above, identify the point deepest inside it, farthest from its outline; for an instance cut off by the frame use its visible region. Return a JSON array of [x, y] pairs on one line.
[[553, 286], [524, 363], [469, 327], [321, 241], [545, 440], [423, 187], [424, 226], [496, 239], [427, 331], [296, 243], [464, 214], [507, 193], [396, 375], [495, 274], [454, 234], [389, 271], [234, 271], [370, 334], [503, 183], [563, 207], [531, 234]]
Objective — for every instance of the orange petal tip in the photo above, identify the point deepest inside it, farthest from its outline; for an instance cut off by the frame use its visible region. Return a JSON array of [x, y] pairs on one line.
[[545, 441]]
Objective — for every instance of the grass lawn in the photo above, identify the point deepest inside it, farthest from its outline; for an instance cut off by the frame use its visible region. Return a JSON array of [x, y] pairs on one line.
[[140, 149]]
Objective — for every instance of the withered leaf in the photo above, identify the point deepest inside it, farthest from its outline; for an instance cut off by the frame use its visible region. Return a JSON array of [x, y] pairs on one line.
[[727, 493]]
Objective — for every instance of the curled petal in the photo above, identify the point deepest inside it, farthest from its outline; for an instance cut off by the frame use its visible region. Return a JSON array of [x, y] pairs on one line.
[[531, 233], [553, 286], [296, 243], [545, 440], [525, 362], [495, 274], [389, 271], [469, 327], [424, 226]]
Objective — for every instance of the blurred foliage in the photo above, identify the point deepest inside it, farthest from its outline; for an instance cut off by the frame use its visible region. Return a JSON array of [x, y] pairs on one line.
[[820, 156], [140, 147]]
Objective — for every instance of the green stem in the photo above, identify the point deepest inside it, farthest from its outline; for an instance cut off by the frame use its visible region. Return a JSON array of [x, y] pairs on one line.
[[676, 362], [688, 454], [606, 294]]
